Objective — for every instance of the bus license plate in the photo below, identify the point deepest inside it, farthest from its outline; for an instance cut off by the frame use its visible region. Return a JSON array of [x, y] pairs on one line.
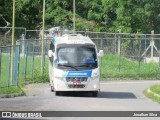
[[76, 83]]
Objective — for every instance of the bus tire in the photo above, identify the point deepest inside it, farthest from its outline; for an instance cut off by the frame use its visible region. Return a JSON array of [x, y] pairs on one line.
[[94, 93], [57, 93], [52, 88]]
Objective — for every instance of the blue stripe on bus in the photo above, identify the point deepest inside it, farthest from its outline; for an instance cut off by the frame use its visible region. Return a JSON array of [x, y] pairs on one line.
[[87, 73]]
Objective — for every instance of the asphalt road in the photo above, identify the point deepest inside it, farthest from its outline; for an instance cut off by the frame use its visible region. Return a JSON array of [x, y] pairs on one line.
[[114, 96]]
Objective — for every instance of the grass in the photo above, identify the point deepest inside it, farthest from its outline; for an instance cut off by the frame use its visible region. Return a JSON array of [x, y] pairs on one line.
[[10, 90], [155, 89], [128, 68], [38, 77], [33, 70], [109, 69], [32, 65], [4, 73], [33, 73]]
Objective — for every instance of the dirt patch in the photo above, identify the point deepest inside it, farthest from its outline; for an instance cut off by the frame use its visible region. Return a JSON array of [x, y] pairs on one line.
[[37, 89]]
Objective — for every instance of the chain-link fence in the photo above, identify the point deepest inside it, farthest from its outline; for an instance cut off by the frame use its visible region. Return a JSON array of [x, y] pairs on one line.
[[135, 56], [31, 57], [6, 35], [6, 78], [126, 55], [129, 55]]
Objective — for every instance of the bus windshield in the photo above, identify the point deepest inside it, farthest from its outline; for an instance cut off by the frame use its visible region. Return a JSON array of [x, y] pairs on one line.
[[77, 56]]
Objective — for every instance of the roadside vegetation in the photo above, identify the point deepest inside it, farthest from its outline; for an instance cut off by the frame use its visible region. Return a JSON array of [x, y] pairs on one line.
[[13, 91], [10, 90], [154, 94], [114, 67], [96, 15], [32, 74], [100, 16], [37, 78], [128, 70]]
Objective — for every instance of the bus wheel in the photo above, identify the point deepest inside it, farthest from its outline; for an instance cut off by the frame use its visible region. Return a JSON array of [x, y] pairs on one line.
[[94, 93], [57, 93], [52, 89]]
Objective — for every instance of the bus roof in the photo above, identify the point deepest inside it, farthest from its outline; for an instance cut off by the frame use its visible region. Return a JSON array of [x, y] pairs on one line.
[[73, 39]]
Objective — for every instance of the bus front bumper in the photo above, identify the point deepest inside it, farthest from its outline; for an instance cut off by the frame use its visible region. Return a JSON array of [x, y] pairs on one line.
[[90, 85]]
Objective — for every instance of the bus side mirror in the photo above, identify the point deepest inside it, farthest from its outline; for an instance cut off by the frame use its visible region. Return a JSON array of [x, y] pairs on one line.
[[50, 53], [101, 53]]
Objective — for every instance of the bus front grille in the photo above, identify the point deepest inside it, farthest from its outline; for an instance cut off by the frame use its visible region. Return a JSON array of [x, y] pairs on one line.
[[76, 86], [76, 79]]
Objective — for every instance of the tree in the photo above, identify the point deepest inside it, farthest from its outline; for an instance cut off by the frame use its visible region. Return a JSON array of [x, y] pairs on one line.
[[95, 15], [5, 12], [29, 13]]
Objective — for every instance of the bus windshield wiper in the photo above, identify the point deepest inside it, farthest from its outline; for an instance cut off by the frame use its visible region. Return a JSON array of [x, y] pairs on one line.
[[85, 65], [66, 65]]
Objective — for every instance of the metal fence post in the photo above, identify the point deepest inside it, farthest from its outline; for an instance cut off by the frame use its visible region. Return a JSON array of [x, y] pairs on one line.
[[101, 58], [15, 66], [44, 55], [119, 51], [25, 68], [0, 61], [33, 53], [145, 48], [139, 61], [152, 43], [159, 62], [115, 38], [18, 64], [23, 44], [9, 66]]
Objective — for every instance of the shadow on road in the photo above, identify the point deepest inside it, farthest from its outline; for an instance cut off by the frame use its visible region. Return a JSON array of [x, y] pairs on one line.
[[117, 95], [102, 94]]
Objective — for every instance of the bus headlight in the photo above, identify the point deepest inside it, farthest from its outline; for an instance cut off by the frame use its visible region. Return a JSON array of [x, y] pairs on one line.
[[95, 86]]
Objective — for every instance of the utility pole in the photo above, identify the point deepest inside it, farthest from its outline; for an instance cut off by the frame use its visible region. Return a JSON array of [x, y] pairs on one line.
[[74, 11], [42, 52], [12, 47]]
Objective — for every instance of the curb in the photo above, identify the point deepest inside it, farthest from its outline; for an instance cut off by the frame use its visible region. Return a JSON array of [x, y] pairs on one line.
[[12, 95], [155, 94]]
